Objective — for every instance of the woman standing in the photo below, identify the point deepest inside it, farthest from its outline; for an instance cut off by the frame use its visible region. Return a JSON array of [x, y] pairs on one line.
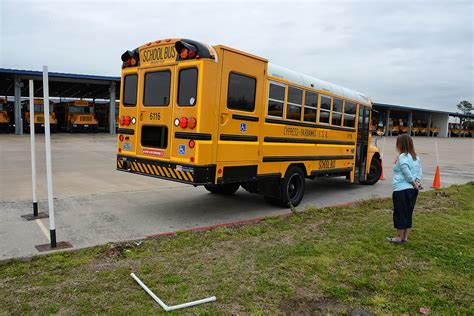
[[406, 183]]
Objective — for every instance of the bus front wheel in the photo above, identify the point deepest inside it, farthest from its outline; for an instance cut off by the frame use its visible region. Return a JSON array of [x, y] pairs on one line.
[[375, 172], [223, 189]]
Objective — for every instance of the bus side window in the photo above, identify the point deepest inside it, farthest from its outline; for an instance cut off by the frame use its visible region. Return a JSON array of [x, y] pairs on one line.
[[350, 109], [241, 92], [324, 109], [310, 106], [294, 103], [276, 100], [336, 112]]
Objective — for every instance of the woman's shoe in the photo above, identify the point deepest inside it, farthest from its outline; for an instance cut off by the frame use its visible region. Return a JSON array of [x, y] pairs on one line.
[[394, 240]]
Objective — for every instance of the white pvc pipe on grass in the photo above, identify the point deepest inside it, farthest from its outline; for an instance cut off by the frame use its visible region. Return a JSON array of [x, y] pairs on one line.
[[166, 307]]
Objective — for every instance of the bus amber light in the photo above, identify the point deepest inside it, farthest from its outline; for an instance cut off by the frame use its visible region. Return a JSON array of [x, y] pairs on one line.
[[183, 53], [120, 120], [183, 122], [192, 122]]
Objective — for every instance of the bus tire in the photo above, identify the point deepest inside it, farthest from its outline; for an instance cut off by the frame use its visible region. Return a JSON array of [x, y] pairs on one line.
[[375, 172], [222, 189], [291, 188]]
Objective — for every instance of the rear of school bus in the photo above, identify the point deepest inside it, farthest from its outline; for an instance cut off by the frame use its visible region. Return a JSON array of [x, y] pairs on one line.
[[167, 118]]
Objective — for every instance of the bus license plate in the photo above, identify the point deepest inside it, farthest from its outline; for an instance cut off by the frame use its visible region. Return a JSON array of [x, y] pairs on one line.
[[127, 146]]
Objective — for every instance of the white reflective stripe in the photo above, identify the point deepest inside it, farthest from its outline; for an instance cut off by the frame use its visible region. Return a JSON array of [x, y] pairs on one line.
[[216, 58]]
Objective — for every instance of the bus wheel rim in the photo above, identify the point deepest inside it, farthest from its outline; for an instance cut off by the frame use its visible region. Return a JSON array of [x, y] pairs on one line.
[[294, 187]]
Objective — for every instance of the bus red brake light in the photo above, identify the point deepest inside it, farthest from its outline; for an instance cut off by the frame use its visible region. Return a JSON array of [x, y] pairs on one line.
[[192, 122], [130, 58], [127, 120], [183, 122], [121, 138]]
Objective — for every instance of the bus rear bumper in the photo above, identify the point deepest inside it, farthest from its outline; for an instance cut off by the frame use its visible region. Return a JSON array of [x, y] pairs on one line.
[[190, 174]]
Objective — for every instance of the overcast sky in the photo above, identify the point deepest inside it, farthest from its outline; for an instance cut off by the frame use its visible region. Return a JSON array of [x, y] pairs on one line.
[[416, 53]]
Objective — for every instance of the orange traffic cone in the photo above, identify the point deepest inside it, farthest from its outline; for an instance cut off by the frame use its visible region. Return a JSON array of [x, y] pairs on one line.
[[436, 181], [382, 176]]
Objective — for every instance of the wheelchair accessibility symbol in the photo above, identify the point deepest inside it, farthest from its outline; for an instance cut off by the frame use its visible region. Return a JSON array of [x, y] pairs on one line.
[[243, 127], [182, 149]]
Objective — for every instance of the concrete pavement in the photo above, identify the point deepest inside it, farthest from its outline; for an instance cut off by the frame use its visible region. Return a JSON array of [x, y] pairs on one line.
[[96, 204]]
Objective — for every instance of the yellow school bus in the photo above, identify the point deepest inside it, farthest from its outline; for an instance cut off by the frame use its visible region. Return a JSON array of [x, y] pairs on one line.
[[79, 116], [4, 117], [224, 118], [39, 116]]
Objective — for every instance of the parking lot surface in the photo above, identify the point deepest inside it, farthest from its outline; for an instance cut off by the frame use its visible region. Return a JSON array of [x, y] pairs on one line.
[[96, 204]]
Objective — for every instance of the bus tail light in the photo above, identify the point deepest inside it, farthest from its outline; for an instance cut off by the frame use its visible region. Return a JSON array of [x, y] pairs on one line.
[[191, 143], [120, 120], [183, 122], [127, 120], [192, 122], [121, 138]]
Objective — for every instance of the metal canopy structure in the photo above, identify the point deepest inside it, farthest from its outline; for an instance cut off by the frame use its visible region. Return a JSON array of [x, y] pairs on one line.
[[438, 118], [14, 82]]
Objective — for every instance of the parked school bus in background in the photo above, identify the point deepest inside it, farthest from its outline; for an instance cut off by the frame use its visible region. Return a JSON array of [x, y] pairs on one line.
[[78, 116], [223, 118], [4, 117], [39, 116]]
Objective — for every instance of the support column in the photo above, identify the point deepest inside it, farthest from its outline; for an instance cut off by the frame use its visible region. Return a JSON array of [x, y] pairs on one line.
[[387, 124], [410, 122], [429, 125], [112, 108], [18, 119]]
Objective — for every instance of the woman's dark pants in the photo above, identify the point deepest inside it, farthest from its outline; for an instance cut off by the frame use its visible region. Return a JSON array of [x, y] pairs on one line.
[[403, 206]]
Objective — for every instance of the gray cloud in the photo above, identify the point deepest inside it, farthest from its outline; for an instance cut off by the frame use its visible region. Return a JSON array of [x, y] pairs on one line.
[[410, 53]]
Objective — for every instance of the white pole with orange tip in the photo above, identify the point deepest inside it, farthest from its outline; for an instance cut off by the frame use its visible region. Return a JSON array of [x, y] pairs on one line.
[[47, 140], [33, 150]]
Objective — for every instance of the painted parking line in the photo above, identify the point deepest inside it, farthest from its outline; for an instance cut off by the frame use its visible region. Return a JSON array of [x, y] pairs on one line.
[[43, 228]]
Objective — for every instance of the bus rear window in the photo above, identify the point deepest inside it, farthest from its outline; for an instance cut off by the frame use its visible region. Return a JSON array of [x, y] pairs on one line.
[[187, 89], [157, 88], [130, 90], [155, 136]]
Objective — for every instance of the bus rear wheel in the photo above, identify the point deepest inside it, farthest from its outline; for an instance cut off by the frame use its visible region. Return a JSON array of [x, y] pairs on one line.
[[375, 172], [223, 189], [291, 188]]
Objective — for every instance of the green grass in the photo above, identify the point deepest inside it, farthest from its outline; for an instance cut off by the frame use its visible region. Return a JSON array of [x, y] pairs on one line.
[[329, 260]]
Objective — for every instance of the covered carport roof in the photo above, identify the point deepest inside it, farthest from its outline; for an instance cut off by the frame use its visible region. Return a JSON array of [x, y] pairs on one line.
[[63, 85], [410, 109]]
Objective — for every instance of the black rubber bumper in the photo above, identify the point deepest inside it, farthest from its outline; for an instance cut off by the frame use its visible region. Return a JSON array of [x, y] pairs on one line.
[[185, 173]]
